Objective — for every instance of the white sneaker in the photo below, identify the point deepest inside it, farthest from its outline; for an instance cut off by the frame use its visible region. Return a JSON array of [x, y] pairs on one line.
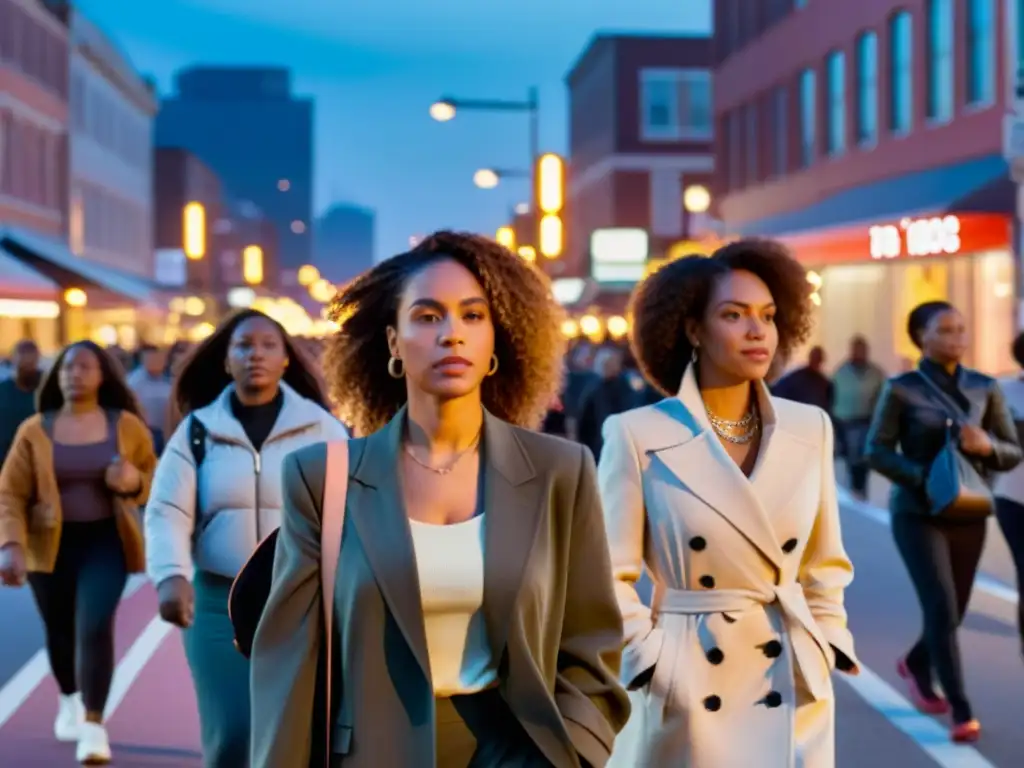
[[93, 745], [70, 715]]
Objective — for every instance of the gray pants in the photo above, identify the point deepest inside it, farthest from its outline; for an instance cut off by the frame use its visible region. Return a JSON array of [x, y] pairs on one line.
[[220, 675]]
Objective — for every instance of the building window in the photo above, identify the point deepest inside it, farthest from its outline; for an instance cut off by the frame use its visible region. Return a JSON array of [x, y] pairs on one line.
[[781, 130], [753, 145], [901, 62], [939, 14], [808, 117], [836, 103], [675, 105], [981, 51], [867, 89]]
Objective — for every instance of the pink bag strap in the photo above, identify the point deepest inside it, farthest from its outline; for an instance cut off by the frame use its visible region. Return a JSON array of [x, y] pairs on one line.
[[332, 523]]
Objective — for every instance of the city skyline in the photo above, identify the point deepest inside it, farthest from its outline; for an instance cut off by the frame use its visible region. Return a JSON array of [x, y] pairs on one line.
[[416, 174]]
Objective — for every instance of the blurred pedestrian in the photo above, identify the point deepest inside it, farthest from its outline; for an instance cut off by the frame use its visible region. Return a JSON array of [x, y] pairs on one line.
[[18, 393], [856, 384], [152, 387], [70, 492], [608, 393], [808, 384], [1009, 487], [249, 397], [725, 495], [579, 375], [941, 410], [476, 621]]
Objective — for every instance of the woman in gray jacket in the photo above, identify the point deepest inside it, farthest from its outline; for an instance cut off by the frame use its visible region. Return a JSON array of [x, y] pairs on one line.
[[249, 397]]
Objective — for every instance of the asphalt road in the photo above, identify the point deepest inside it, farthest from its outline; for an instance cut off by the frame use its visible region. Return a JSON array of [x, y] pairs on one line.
[[153, 720]]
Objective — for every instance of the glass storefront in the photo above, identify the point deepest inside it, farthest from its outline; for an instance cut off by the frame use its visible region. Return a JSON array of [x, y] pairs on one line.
[[874, 299]]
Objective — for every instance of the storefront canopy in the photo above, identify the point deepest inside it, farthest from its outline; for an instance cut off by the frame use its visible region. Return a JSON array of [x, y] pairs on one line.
[[53, 260], [19, 281]]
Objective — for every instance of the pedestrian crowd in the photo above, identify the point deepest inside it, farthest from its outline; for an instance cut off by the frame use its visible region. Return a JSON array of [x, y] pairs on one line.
[[549, 552]]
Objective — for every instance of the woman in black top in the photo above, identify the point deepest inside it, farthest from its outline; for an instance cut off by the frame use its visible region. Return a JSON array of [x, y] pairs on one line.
[[908, 432]]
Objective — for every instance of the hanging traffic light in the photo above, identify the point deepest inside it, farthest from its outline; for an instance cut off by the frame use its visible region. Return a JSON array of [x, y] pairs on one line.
[[550, 175]]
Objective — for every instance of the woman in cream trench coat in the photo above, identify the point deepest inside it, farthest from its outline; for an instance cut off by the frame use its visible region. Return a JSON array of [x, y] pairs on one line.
[[731, 667]]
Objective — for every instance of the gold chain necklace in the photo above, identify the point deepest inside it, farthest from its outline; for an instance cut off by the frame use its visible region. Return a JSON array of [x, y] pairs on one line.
[[739, 432], [447, 468]]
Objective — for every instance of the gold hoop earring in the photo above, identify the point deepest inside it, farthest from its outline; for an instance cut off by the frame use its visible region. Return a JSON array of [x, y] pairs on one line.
[[494, 366], [396, 369]]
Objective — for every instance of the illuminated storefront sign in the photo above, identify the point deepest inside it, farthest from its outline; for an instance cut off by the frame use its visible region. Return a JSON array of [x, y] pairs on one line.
[[618, 255], [935, 236]]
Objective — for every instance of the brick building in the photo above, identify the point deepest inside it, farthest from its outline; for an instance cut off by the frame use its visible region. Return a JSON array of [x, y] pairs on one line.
[[868, 136], [640, 131]]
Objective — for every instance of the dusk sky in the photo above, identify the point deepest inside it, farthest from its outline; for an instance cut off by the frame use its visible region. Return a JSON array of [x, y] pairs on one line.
[[374, 68]]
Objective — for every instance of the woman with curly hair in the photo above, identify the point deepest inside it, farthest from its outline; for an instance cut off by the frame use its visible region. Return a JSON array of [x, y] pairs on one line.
[[248, 397], [725, 495], [476, 621], [70, 493]]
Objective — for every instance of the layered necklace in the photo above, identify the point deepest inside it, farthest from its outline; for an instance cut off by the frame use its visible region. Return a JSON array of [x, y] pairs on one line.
[[444, 469], [739, 432]]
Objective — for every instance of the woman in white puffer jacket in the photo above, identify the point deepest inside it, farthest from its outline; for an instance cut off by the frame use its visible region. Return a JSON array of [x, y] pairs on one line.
[[248, 397]]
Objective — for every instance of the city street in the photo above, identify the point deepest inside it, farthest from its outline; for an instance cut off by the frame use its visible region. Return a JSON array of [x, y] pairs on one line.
[[154, 721]]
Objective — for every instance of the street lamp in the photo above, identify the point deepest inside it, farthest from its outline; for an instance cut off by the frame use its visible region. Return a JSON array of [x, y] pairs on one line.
[[696, 199], [489, 178], [445, 109]]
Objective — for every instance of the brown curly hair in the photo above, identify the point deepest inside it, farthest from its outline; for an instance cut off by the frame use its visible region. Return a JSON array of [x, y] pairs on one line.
[[528, 339], [663, 303]]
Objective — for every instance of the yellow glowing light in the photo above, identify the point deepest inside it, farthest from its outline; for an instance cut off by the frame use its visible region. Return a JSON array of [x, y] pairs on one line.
[[550, 183], [527, 253], [29, 309], [252, 264], [75, 297], [617, 326], [194, 231], [506, 236], [194, 306], [814, 279], [485, 178], [590, 325], [322, 291], [551, 243], [201, 331], [816, 299], [570, 329], [442, 111], [697, 199], [308, 274]]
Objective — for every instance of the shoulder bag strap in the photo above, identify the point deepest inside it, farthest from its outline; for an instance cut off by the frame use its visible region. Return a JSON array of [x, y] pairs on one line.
[[958, 413], [332, 524]]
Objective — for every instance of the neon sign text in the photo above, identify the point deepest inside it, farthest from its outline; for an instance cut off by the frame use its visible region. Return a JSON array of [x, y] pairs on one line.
[[934, 236]]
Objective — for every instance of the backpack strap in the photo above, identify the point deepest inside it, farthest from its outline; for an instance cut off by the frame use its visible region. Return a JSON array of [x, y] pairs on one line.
[[332, 524]]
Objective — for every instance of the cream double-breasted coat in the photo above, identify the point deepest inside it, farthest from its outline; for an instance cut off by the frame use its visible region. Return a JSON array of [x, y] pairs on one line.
[[747, 620]]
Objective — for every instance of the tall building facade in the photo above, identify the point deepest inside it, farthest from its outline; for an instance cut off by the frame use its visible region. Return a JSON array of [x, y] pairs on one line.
[[641, 130], [249, 128], [343, 242], [868, 136], [110, 215]]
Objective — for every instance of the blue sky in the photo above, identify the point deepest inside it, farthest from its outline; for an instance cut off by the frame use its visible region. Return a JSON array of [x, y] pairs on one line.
[[375, 66]]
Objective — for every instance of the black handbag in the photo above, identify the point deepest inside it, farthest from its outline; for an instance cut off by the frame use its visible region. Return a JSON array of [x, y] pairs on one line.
[[954, 487]]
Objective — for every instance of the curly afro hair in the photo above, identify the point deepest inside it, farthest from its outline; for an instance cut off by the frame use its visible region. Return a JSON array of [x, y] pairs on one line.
[[663, 303], [528, 338]]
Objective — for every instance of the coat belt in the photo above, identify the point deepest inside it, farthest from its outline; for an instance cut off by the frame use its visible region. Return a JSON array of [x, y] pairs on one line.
[[811, 652]]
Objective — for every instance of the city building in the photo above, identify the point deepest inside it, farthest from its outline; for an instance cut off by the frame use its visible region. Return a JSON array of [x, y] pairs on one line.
[[640, 111], [868, 136], [245, 124], [33, 122], [110, 126], [343, 242]]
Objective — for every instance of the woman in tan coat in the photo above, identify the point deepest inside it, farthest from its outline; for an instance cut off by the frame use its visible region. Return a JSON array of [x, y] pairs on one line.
[[725, 495], [70, 491]]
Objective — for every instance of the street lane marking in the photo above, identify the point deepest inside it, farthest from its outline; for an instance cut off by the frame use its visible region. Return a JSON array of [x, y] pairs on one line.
[[24, 682], [988, 585], [134, 661], [925, 731]]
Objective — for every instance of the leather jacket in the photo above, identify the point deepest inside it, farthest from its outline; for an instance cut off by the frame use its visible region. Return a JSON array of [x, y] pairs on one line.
[[909, 429]]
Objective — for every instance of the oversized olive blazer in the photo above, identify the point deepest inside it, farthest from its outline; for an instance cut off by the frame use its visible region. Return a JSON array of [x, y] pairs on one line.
[[549, 603]]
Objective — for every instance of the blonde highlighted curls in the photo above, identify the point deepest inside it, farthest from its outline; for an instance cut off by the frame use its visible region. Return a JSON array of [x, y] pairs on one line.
[[528, 340]]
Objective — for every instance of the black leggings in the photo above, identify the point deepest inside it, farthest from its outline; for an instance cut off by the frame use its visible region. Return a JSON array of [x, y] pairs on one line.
[[942, 560], [1011, 520], [77, 603]]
